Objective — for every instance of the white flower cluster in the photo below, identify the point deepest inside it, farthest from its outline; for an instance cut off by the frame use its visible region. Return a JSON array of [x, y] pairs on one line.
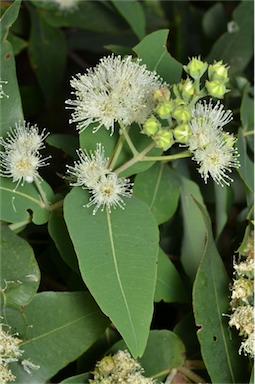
[[119, 368], [10, 353], [212, 148], [242, 317], [91, 172], [116, 90], [21, 158]]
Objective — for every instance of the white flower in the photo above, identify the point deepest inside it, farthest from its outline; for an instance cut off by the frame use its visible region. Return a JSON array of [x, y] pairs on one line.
[[28, 365], [119, 368], [21, 159], [207, 121], [116, 90], [216, 159], [248, 346], [67, 5], [20, 166], [90, 167], [25, 138], [108, 191]]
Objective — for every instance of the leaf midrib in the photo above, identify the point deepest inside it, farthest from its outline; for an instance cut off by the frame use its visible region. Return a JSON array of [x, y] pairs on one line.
[[118, 275]]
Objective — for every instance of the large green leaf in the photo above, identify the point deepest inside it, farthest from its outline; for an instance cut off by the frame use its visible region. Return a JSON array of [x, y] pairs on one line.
[[169, 286], [159, 59], [10, 102], [16, 203], [236, 48], [164, 352], [117, 256], [194, 228], [134, 15], [47, 53], [61, 326], [210, 302], [20, 274], [78, 379], [159, 187]]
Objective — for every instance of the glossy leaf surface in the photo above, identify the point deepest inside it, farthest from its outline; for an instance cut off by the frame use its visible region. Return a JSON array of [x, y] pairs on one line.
[[119, 250], [62, 325], [159, 187], [210, 302], [20, 274]]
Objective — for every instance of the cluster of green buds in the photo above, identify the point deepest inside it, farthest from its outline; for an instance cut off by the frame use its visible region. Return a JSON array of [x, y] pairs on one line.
[[218, 77], [242, 303], [169, 122]]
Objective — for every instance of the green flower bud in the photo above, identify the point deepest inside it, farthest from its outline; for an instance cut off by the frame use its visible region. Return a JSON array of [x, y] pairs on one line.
[[181, 113], [163, 139], [164, 110], [218, 71], [229, 139], [182, 133], [161, 95], [196, 68], [216, 88], [151, 126], [106, 365]]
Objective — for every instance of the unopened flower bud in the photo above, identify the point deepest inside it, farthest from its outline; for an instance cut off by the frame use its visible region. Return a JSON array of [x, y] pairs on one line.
[[161, 95], [229, 139], [216, 88], [107, 364], [181, 114], [163, 139], [151, 126], [218, 71], [182, 133], [164, 110], [196, 68]]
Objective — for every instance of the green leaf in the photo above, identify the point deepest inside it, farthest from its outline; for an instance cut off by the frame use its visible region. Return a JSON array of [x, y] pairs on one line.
[[246, 170], [164, 352], [10, 102], [159, 187], [20, 274], [187, 332], [210, 302], [47, 53], [78, 379], [194, 228], [68, 143], [16, 203], [117, 256], [61, 326], [58, 232], [159, 59], [90, 15], [134, 15], [169, 286], [223, 199], [17, 43], [247, 115], [236, 48], [214, 21], [247, 110]]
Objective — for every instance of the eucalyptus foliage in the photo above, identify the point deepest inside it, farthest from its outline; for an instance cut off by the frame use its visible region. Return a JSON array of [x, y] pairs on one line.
[[126, 189]]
